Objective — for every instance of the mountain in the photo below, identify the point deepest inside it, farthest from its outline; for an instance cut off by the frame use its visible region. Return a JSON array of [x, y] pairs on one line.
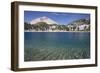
[[43, 19], [80, 22], [80, 25]]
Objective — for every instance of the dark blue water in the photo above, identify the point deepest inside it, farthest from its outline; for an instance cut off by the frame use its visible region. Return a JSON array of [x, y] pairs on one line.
[[57, 40]]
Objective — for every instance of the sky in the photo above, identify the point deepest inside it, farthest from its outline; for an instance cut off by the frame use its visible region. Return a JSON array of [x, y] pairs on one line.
[[59, 17]]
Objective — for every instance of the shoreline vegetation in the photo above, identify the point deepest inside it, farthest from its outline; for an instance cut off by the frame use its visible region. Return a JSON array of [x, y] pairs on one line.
[[82, 25], [45, 54]]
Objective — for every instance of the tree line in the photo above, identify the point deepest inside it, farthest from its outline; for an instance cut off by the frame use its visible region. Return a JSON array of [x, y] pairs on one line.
[[44, 26], [73, 26]]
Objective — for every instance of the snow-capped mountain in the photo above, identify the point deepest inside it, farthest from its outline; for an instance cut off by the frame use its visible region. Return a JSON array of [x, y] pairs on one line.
[[43, 19]]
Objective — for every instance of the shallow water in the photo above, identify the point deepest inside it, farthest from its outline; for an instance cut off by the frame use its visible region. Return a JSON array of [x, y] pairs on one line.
[[56, 45]]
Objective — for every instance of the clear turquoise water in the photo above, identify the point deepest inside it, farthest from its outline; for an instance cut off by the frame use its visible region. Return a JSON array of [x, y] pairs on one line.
[[63, 41], [57, 40]]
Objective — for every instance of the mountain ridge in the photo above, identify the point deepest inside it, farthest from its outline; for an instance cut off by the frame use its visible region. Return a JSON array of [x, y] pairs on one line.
[[43, 19]]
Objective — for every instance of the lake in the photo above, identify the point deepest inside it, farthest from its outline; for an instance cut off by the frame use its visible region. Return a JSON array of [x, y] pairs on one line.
[[41, 46]]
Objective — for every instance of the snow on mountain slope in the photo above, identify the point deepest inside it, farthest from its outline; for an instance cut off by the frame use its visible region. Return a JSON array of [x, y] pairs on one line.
[[43, 19]]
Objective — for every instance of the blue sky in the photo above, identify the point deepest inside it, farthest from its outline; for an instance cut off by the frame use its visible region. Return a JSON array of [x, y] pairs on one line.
[[59, 17]]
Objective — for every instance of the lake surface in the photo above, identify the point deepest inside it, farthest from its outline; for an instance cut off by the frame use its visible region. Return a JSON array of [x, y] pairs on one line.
[[56, 45]]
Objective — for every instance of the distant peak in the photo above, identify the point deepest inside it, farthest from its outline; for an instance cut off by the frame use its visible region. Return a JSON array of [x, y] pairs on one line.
[[43, 19]]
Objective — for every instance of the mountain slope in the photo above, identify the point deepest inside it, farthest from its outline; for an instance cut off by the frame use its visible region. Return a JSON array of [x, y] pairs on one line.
[[80, 22], [43, 19]]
